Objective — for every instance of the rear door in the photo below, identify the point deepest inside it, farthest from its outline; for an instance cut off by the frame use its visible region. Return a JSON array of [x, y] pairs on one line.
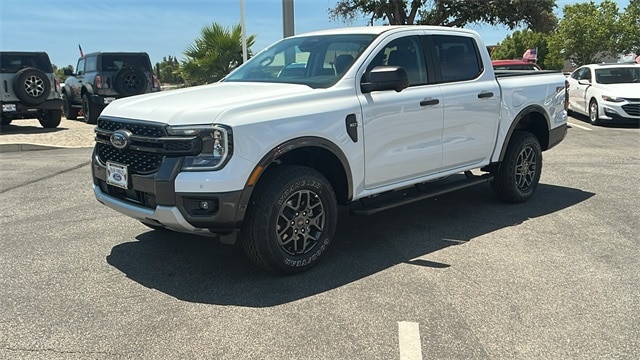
[[471, 100]]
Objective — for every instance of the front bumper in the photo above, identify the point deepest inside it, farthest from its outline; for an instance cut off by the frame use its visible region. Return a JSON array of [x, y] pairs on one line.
[[623, 112], [152, 199]]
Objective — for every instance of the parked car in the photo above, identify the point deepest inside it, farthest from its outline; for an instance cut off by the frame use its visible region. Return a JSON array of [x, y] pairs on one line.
[[514, 65], [102, 77], [606, 92], [30, 90]]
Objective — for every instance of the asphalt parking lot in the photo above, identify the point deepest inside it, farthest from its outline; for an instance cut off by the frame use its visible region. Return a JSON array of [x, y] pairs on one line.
[[461, 276]]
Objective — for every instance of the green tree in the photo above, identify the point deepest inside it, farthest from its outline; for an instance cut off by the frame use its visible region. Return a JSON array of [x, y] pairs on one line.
[[214, 54], [588, 32], [59, 72], [628, 39], [168, 71], [514, 45], [537, 15]]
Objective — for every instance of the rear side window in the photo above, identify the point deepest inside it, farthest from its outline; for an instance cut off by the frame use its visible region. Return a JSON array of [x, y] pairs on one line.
[[12, 63], [458, 57]]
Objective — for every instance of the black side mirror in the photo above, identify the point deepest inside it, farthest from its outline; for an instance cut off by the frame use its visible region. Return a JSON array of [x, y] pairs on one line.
[[386, 78]]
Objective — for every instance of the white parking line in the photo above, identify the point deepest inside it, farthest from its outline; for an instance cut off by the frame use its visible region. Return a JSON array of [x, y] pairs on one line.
[[579, 126], [409, 340]]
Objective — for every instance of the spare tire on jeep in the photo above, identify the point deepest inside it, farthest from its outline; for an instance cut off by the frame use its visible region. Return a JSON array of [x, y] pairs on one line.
[[31, 86], [130, 81]]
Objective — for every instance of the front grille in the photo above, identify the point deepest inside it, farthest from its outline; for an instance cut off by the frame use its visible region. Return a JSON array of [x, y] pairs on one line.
[[148, 144], [632, 109], [139, 162]]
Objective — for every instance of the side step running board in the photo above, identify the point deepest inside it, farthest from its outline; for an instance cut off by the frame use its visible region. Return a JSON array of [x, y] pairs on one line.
[[419, 192]]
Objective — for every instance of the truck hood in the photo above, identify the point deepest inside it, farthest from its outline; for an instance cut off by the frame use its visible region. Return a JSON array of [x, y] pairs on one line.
[[199, 104]]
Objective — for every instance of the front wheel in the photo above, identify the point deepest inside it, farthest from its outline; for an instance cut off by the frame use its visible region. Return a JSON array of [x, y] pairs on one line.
[[518, 175], [291, 219], [70, 113], [593, 112], [89, 110]]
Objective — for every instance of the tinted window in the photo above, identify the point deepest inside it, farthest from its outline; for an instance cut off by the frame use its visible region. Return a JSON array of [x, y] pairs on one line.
[[458, 56], [115, 62], [407, 53], [11, 63]]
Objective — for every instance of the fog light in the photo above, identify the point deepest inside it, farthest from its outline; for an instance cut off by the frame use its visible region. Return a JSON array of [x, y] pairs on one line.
[[204, 205]]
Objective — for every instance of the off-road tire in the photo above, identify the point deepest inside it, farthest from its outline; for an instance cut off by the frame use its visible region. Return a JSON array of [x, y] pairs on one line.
[[90, 110], [31, 86], [49, 118], [518, 174], [70, 113], [130, 81], [291, 219]]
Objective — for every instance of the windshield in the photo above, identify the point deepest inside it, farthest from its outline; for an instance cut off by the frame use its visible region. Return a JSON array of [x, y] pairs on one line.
[[315, 61], [618, 75]]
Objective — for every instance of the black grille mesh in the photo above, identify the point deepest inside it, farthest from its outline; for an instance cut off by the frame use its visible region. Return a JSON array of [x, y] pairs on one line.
[[632, 109], [139, 162]]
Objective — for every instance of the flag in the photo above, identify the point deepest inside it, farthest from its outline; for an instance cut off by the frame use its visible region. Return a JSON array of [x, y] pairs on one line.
[[530, 54], [81, 53]]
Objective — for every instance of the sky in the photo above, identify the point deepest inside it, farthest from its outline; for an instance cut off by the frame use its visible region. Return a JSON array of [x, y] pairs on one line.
[[163, 28]]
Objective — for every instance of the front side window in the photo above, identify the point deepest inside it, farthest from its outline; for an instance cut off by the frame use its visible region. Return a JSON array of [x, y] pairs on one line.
[[80, 67], [405, 52], [315, 61]]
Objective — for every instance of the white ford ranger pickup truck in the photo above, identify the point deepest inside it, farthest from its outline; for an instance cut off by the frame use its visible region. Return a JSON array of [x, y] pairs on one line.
[[371, 117]]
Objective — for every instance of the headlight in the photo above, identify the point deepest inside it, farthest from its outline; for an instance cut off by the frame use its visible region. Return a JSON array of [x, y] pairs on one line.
[[612, 98], [217, 146]]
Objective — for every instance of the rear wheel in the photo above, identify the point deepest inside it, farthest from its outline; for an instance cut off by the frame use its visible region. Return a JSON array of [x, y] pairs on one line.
[[291, 219], [49, 118], [593, 112], [89, 110], [518, 175]]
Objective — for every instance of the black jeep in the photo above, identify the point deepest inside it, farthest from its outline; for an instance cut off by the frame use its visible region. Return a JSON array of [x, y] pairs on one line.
[[103, 77], [28, 88]]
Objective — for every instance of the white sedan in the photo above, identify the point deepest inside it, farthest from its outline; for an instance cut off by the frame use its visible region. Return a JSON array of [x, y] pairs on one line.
[[606, 92]]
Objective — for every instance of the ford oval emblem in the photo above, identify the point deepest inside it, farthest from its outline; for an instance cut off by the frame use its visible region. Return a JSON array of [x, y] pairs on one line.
[[120, 139]]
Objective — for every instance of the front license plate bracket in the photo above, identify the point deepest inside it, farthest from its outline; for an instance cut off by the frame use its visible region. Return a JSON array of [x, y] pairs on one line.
[[118, 175]]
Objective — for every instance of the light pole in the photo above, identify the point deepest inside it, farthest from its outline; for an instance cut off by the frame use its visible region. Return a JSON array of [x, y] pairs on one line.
[[243, 24], [287, 18]]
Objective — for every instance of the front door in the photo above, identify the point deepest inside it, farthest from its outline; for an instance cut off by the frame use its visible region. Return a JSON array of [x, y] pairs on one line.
[[402, 130]]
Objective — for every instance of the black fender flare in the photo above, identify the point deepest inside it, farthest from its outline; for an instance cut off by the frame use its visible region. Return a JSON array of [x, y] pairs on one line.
[[277, 152], [517, 122]]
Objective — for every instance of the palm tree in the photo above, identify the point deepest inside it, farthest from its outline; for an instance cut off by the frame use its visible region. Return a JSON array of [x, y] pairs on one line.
[[214, 54]]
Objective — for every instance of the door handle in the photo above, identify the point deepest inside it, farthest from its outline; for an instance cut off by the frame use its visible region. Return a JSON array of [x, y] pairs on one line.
[[429, 102], [483, 95]]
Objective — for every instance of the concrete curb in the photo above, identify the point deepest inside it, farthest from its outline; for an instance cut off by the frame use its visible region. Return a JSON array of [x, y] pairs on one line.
[[31, 147]]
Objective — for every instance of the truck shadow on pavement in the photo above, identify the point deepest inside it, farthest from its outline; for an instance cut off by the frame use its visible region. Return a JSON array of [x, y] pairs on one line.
[[28, 129], [200, 270]]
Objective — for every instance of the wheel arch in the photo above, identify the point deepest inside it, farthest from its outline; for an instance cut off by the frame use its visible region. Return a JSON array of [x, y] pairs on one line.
[[533, 119], [314, 152]]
